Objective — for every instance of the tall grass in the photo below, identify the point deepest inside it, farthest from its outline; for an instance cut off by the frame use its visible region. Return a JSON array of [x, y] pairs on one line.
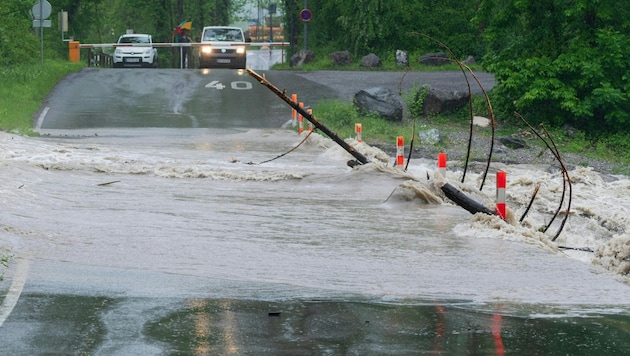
[[341, 117], [24, 89]]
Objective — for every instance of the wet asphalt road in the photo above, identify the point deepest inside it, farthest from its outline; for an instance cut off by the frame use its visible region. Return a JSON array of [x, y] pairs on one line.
[[108, 98], [57, 307], [52, 307]]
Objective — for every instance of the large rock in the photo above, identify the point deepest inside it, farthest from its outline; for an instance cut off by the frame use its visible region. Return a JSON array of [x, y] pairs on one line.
[[514, 143], [438, 101], [470, 60], [302, 57], [430, 136], [371, 60], [402, 58], [434, 59], [340, 58], [380, 101]]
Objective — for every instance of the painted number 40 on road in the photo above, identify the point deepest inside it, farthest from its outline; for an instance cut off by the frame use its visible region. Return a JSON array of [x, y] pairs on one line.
[[236, 85]]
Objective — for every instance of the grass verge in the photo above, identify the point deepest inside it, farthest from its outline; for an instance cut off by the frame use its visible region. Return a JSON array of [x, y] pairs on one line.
[[23, 90]]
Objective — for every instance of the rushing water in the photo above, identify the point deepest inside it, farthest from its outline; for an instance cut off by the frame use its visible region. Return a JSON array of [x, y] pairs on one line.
[[195, 202]]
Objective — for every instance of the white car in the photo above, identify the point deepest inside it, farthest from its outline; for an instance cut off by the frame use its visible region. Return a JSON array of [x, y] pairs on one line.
[[223, 47], [135, 50]]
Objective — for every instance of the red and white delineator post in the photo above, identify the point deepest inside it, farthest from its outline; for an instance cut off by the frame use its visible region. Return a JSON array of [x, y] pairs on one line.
[[357, 130], [400, 151], [293, 111], [500, 200], [301, 120], [441, 163], [310, 124]]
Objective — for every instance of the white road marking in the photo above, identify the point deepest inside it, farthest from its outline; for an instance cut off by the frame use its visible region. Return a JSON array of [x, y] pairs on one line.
[[13, 295], [41, 118]]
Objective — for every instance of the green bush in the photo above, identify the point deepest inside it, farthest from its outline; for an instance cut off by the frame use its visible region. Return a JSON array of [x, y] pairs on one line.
[[341, 117], [562, 62], [18, 45], [414, 99]]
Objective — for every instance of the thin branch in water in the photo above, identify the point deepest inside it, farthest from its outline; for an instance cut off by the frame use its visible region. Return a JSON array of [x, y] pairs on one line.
[[462, 66], [565, 174], [107, 183], [531, 202], [413, 138], [566, 180], [291, 150]]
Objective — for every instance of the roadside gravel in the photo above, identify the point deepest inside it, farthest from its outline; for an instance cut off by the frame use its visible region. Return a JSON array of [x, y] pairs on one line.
[[455, 145]]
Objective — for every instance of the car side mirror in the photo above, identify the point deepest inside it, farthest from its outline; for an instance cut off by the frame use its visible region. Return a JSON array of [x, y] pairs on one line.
[[248, 39]]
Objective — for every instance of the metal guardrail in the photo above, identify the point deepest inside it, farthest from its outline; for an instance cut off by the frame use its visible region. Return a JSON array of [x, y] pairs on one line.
[[98, 58]]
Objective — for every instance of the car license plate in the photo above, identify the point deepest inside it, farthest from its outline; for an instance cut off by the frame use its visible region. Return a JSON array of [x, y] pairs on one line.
[[132, 60], [223, 60]]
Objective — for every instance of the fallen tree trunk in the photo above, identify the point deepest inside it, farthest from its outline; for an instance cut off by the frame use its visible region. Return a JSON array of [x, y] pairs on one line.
[[361, 158], [464, 201]]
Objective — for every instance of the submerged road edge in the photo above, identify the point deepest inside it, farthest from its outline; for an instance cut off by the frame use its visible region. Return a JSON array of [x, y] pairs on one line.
[[13, 295]]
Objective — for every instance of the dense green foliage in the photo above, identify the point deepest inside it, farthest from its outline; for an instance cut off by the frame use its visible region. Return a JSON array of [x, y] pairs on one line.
[[15, 47], [560, 61], [383, 26], [102, 21]]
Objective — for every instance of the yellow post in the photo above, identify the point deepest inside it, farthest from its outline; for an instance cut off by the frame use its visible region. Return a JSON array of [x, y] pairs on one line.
[[73, 51]]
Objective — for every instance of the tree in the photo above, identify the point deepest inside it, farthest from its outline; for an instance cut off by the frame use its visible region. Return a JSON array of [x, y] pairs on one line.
[[18, 43], [560, 61], [382, 26]]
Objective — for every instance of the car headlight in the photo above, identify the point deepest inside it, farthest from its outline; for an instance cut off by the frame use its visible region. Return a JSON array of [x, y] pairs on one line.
[[118, 52], [240, 50], [148, 51], [206, 49]]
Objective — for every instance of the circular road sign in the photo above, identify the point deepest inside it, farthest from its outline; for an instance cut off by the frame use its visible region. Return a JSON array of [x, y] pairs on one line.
[[306, 15], [41, 10]]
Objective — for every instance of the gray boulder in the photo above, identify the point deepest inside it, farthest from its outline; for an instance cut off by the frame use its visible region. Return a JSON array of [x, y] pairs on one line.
[[470, 60], [435, 59], [402, 58], [380, 101], [340, 58], [371, 60], [514, 143], [430, 136], [438, 101], [302, 57]]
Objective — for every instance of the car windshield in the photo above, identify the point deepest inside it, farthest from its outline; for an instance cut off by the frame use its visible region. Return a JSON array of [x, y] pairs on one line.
[[222, 34], [134, 39]]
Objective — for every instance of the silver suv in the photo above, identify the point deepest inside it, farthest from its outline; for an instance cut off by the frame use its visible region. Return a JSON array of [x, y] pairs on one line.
[[223, 47]]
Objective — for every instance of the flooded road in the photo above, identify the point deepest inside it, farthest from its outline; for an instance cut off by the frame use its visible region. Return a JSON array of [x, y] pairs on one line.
[[130, 240]]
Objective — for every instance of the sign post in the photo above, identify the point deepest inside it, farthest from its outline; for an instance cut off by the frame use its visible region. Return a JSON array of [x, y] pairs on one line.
[[306, 15], [41, 11]]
